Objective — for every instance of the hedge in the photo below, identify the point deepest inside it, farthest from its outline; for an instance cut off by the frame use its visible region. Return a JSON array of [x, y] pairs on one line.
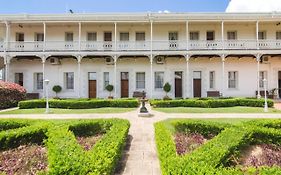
[[11, 94], [79, 103], [65, 155], [210, 103], [212, 157]]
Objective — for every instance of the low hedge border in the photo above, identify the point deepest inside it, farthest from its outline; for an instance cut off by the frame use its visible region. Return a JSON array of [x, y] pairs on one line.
[[79, 103], [210, 103], [212, 157], [65, 155]]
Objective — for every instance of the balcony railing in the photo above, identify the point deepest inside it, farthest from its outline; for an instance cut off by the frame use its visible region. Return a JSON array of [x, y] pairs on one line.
[[175, 45]]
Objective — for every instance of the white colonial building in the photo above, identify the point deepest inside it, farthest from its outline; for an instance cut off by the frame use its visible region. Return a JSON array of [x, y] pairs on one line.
[[199, 54]]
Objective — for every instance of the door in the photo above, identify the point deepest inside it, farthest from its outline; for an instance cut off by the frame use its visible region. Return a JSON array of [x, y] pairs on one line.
[[197, 83], [173, 38], [210, 35], [92, 85], [107, 37], [124, 84], [279, 83], [178, 84]]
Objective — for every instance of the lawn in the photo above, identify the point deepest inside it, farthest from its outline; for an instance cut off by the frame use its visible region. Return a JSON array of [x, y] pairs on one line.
[[69, 111], [236, 109]]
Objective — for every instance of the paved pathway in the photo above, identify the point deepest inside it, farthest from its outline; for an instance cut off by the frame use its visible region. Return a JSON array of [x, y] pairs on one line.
[[140, 155]]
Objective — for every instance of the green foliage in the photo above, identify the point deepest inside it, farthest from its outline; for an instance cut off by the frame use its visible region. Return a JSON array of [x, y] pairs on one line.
[[79, 103], [167, 87], [213, 156], [109, 88], [210, 103], [65, 155], [57, 89]]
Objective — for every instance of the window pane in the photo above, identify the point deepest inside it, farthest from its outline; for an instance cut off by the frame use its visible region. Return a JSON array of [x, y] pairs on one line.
[[262, 76], [92, 36], [159, 80], [68, 36], [194, 36], [140, 36], [232, 79], [140, 80], [262, 35], [210, 35], [124, 36], [105, 79], [39, 81], [278, 35], [39, 37], [19, 36], [69, 80], [107, 36], [232, 35], [19, 78], [173, 35], [212, 79]]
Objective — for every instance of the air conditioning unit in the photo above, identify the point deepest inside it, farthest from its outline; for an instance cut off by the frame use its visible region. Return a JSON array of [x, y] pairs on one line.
[[160, 60], [109, 60], [54, 61], [265, 59]]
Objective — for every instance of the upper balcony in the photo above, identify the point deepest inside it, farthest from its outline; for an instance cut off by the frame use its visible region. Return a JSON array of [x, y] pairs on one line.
[[175, 45]]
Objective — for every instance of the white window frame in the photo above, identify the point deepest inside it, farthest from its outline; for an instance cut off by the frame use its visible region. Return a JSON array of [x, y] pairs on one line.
[[140, 38], [278, 35], [231, 35], [69, 85], [105, 79], [67, 34], [262, 35], [140, 83], [38, 84], [94, 35], [39, 37], [232, 78], [159, 83], [192, 35], [212, 79], [124, 36], [262, 76]]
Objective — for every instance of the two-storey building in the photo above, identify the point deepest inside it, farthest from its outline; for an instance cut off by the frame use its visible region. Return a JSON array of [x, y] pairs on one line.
[[199, 54]]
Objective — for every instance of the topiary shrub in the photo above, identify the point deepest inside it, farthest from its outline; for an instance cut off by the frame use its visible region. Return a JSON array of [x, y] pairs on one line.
[[57, 89], [167, 89], [11, 94], [109, 88]]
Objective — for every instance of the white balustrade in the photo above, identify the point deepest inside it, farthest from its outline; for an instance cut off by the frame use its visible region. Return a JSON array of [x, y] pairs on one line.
[[26, 46], [169, 45], [205, 45], [240, 44], [2, 48]]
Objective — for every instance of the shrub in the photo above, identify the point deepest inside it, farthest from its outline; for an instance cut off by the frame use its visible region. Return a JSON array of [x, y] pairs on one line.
[[109, 88], [80, 103], [11, 94], [57, 89], [167, 89], [210, 103]]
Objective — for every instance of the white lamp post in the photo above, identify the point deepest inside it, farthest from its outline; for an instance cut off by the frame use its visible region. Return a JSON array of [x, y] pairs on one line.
[[47, 96], [265, 95]]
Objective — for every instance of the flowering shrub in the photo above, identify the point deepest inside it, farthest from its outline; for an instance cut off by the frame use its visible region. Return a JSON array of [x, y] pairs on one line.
[[11, 94]]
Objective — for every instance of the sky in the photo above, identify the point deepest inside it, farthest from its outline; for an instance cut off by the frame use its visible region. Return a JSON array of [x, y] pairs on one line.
[[254, 6], [92, 6]]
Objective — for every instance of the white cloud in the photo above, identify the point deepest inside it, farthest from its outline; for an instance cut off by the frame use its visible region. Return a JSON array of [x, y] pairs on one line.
[[254, 6]]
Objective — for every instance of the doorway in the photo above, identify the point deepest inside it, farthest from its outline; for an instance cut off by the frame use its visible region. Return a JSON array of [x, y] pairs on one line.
[[124, 84], [197, 84], [178, 84], [92, 76]]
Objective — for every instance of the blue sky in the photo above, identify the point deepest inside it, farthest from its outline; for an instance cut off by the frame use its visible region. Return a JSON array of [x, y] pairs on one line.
[[88, 6]]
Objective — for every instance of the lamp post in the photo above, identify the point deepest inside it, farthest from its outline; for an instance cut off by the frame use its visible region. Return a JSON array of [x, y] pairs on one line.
[[265, 95], [47, 96]]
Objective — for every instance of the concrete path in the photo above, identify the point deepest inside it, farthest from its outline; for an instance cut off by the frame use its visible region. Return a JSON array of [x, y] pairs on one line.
[[140, 155]]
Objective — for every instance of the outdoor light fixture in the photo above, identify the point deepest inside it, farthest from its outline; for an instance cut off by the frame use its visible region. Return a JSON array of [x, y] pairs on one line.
[[265, 96], [47, 98]]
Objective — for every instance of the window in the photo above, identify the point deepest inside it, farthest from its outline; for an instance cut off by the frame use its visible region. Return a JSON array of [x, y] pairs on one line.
[[140, 36], [69, 36], [231, 35], [232, 79], [262, 35], [212, 79], [107, 36], [91, 36], [39, 37], [159, 80], [173, 36], [1, 74], [20, 37], [105, 79], [262, 76], [38, 81], [210, 35], [124, 36], [140, 80], [278, 35], [19, 78], [69, 80], [194, 35]]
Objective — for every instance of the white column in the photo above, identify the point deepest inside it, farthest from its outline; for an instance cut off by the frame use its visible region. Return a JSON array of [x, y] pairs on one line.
[[258, 75], [7, 39], [44, 45], [115, 76], [187, 83], [7, 67], [151, 36], [223, 73], [79, 59], [151, 76], [257, 34], [115, 36], [79, 35], [187, 34], [44, 74], [222, 34]]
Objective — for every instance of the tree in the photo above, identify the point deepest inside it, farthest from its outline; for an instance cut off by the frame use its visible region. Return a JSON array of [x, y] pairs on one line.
[[57, 89], [167, 89], [109, 88]]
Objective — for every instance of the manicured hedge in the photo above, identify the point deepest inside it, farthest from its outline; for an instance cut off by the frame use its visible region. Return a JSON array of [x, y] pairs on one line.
[[210, 103], [212, 157], [65, 155], [79, 103], [11, 94]]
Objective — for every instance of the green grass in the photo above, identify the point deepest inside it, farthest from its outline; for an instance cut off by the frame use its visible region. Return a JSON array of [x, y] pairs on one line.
[[237, 109], [69, 111]]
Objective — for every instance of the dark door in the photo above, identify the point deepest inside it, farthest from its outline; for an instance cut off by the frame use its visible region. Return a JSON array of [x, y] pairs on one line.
[[210, 36], [92, 85], [197, 83], [124, 84], [279, 83], [178, 84]]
